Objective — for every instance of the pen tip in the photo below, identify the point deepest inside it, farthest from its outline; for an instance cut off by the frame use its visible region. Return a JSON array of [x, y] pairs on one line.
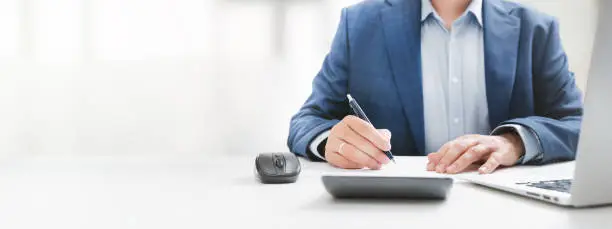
[[392, 159], [349, 96]]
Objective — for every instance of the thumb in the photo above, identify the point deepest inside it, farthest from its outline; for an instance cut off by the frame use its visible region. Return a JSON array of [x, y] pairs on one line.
[[386, 133]]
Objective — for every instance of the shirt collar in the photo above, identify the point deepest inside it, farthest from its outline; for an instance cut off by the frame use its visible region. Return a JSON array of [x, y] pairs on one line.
[[475, 8]]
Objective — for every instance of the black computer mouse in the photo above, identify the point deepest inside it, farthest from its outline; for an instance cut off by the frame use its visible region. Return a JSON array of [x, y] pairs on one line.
[[277, 168]]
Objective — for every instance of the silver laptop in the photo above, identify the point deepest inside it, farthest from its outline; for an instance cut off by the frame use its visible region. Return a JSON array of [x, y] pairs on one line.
[[587, 181]]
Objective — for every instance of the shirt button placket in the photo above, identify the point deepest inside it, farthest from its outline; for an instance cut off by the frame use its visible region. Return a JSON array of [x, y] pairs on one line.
[[455, 100]]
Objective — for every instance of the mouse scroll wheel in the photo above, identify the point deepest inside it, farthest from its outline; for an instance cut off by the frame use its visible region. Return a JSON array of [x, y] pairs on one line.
[[279, 162]]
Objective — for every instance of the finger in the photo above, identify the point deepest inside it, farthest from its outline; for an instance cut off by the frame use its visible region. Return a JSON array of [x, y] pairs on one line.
[[348, 135], [386, 133], [470, 156], [456, 149], [433, 158], [382, 157], [337, 160], [353, 154], [334, 146], [366, 130], [491, 164]]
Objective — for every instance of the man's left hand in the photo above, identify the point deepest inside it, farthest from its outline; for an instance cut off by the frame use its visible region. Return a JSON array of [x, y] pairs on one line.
[[457, 155]]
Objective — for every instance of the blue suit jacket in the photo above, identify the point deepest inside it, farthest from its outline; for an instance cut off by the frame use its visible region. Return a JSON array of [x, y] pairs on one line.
[[376, 57]]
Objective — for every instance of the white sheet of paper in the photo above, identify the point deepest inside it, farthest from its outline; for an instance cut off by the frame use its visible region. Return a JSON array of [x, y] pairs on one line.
[[405, 167]]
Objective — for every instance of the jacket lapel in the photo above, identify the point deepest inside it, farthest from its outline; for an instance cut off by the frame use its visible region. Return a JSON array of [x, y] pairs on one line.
[[402, 29], [501, 41]]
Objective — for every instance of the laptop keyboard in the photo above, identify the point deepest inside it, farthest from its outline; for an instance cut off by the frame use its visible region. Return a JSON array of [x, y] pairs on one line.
[[555, 185]]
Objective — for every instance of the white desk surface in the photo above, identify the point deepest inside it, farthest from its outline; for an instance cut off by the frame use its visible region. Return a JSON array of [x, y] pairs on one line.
[[221, 192]]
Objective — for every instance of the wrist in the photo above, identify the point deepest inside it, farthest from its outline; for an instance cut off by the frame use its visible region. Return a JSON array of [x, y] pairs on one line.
[[514, 143]]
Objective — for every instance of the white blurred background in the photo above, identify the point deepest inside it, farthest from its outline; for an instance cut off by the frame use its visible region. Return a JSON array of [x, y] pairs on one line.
[[159, 77]]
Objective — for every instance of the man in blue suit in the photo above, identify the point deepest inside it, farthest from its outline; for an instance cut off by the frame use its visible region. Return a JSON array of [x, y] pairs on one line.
[[461, 81]]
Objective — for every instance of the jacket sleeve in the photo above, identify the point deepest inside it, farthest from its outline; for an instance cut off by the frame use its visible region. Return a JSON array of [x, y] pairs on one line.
[[558, 102], [327, 103]]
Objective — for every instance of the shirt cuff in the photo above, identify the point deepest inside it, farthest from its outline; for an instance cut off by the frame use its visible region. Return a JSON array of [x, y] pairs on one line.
[[314, 145], [531, 142]]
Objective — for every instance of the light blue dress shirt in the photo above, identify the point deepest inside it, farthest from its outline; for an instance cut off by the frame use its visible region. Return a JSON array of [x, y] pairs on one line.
[[454, 91], [454, 88]]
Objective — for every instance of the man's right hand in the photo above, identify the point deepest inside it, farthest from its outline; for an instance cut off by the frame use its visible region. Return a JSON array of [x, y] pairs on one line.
[[354, 144]]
